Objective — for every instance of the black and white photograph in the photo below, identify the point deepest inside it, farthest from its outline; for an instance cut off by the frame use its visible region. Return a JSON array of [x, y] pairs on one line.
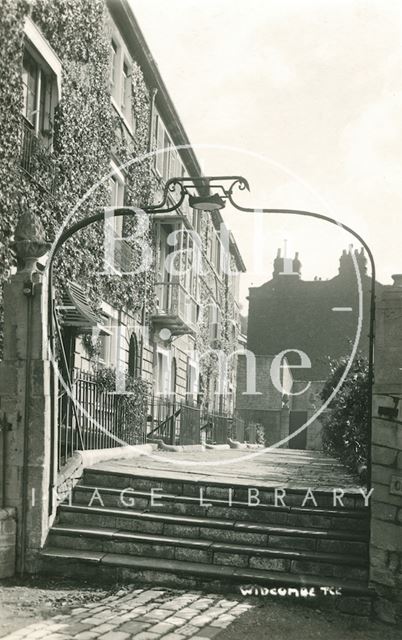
[[200, 319]]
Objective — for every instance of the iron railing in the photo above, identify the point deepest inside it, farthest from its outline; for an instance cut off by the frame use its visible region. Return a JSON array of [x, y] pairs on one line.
[[174, 421], [216, 428], [120, 256], [36, 159], [176, 303], [238, 429], [163, 415], [92, 418]]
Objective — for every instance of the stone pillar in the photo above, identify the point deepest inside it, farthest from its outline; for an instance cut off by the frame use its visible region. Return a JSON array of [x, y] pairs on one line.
[[313, 403], [284, 425], [25, 395], [386, 451]]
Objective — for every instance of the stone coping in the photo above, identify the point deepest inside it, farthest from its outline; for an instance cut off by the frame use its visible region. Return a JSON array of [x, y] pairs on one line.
[[72, 471]]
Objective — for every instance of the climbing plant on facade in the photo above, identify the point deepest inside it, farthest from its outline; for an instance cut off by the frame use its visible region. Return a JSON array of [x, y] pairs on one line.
[[85, 129]]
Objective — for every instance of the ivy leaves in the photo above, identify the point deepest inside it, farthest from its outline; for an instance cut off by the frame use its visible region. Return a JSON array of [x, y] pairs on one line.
[[84, 136], [345, 424]]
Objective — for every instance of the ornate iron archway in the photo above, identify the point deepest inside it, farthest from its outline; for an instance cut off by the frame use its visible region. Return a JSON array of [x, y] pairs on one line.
[[199, 190]]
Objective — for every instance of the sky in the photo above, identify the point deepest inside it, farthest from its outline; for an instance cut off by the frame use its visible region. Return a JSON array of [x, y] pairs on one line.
[[304, 99]]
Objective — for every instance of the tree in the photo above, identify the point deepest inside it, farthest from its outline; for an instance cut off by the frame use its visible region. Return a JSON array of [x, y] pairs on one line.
[[345, 424]]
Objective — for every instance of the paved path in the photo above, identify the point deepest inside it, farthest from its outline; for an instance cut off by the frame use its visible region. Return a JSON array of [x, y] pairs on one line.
[[140, 614], [288, 468]]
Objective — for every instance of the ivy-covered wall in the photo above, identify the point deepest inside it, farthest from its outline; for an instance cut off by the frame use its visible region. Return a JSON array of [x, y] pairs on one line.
[[86, 129], [11, 17], [215, 288]]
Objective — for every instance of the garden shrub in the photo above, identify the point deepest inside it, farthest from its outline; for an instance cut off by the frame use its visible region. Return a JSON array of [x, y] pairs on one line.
[[345, 423], [132, 405]]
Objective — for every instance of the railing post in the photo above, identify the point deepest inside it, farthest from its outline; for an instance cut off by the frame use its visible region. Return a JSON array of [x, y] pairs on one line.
[[28, 397], [284, 417], [174, 418]]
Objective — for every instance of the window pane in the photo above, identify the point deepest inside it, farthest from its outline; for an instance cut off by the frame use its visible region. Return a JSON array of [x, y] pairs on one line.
[[166, 157], [29, 85], [117, 200], [113, 191], [44, 111], [159, 144], [124, 87], [113, 62]]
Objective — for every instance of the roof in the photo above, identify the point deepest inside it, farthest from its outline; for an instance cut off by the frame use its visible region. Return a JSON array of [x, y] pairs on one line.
[[234, 249], [124, 17], [320, 318]]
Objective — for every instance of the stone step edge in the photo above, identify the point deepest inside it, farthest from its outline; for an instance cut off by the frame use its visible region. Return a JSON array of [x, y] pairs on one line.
[[358, 514], [249, 527], [119, 535], [195, 569], [349, 493]]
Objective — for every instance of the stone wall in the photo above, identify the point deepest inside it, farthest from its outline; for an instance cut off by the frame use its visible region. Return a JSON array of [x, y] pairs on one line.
[[263, 407], [309, 401], [26, 401], [266, 396], [386, 451], [8, 540]]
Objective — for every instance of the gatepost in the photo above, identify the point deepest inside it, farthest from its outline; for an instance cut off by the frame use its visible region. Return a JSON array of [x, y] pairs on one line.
[[27, 402], [386, 450]]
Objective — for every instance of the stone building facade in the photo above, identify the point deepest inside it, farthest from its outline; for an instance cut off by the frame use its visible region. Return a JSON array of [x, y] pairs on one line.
[[310, 323], [319, 317], [89, 107]]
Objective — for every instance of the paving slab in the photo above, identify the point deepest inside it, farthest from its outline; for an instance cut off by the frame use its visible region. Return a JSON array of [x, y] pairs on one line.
[[290, 468]]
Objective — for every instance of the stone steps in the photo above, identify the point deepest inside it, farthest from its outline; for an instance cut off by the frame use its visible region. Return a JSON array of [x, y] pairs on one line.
[[172, 483], [330, 518], [222, 539], [121, 567], [210, 552], [199, 527]]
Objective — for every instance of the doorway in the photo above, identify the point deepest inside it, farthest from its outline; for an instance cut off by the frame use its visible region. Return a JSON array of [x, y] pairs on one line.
[[296, 420]]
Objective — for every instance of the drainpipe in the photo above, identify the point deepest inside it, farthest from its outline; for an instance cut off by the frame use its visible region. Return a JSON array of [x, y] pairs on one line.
[[154, 91]]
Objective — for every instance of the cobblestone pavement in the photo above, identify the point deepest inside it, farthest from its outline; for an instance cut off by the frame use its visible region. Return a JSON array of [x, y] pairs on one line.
[[140, 614]]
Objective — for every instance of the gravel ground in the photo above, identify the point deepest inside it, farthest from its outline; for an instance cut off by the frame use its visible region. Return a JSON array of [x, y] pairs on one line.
[[25, 601], [286, 621]]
